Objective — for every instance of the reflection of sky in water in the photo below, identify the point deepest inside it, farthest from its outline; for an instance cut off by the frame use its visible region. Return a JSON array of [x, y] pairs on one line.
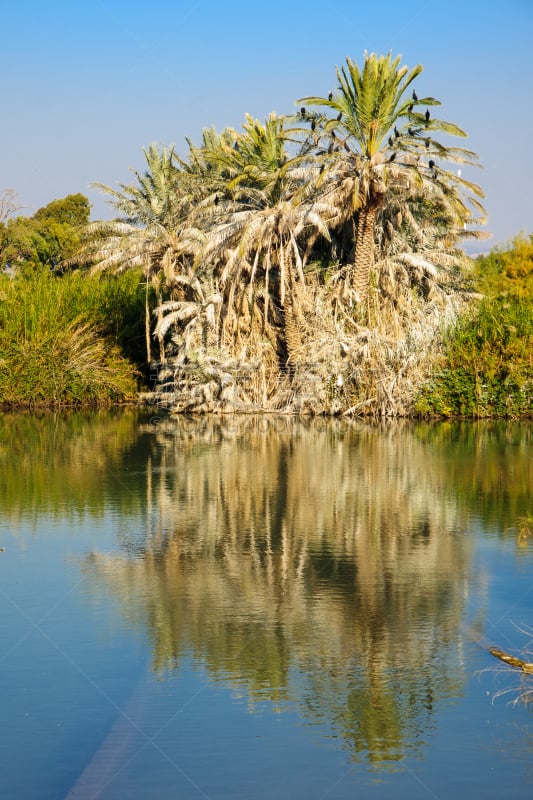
[[505, 575], [78, 635]]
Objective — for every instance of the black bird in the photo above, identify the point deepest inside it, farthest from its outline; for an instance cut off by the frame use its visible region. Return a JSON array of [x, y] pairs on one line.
[[313, 125], [302, 111], [415, 96], [410, 109], [339, 116], [431, 164], [396, 132], [393, 156], [330, 96], [427, 114], [390, 142], [217, 199], [410, 131]]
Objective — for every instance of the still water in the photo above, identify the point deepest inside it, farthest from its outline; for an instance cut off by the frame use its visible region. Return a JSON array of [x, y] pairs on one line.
[[263, 608]]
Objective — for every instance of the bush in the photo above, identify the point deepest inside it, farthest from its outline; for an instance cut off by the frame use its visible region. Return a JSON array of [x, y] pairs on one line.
[[487, 370], [69, 340]]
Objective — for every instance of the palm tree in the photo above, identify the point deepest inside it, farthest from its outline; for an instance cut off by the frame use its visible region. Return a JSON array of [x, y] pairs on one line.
[[146, 235], [382, 149], [256, 217]]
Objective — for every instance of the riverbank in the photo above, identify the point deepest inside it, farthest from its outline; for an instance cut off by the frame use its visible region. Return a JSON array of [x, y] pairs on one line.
[[79, 340]]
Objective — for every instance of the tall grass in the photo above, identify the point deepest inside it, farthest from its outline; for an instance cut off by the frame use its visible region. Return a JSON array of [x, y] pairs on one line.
[[69, 340]]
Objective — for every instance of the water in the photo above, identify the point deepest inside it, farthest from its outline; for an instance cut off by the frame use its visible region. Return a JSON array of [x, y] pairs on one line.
[[260, 608]]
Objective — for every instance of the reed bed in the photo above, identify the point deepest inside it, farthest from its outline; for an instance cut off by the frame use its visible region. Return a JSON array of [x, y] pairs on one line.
[[68, 340]]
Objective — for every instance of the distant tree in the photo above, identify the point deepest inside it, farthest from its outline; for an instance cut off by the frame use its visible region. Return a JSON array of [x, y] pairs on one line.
[[74, 210], [8, 204], [47, 238]]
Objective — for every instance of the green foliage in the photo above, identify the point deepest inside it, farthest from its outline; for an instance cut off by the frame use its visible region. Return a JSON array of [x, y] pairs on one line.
[[508, 270], [74, 209], [63, 339], [47, 238], [487, 370]]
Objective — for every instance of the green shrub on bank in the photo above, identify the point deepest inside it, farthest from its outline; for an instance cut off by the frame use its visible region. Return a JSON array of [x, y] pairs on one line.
[[69, 340], [487, 370]]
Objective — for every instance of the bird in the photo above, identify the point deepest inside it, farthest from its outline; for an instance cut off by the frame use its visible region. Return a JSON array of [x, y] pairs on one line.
[[410, 131], [217, 199], [330, 96], [393, 156], [410, 108], [415, 96], [390, 142], [302, 111], [339, 116], [313, 125], [431, 163], [427, 115], [396, 132]]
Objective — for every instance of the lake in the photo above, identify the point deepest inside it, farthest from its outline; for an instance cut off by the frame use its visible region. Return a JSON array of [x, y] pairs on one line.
[[264, 608]]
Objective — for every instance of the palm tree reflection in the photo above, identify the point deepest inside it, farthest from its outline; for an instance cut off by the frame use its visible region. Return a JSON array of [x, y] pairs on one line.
[[305, 563]]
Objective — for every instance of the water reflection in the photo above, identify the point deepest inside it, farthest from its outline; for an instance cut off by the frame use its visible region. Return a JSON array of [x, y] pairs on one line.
[[489, 468], [69, 464], [315, 564]]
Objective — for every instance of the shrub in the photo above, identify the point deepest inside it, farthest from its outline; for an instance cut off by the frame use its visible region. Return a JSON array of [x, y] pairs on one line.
[[487, 369]]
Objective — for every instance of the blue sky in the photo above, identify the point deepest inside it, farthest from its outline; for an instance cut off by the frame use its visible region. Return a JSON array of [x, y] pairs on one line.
[[87, 85]]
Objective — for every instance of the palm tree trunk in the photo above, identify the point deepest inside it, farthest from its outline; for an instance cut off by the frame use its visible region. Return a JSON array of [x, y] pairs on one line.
[[147, 323], [364, 250], [291, 335], [156, 283]]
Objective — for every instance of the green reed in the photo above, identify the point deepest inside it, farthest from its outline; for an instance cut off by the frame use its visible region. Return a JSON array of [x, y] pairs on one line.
[[69, 340]]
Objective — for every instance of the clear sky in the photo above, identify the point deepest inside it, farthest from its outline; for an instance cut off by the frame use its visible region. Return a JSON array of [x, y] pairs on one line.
[[87, 84]]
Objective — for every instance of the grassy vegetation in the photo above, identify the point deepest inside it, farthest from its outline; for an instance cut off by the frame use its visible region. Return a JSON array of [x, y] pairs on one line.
[[69, 340], [487, 369]]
